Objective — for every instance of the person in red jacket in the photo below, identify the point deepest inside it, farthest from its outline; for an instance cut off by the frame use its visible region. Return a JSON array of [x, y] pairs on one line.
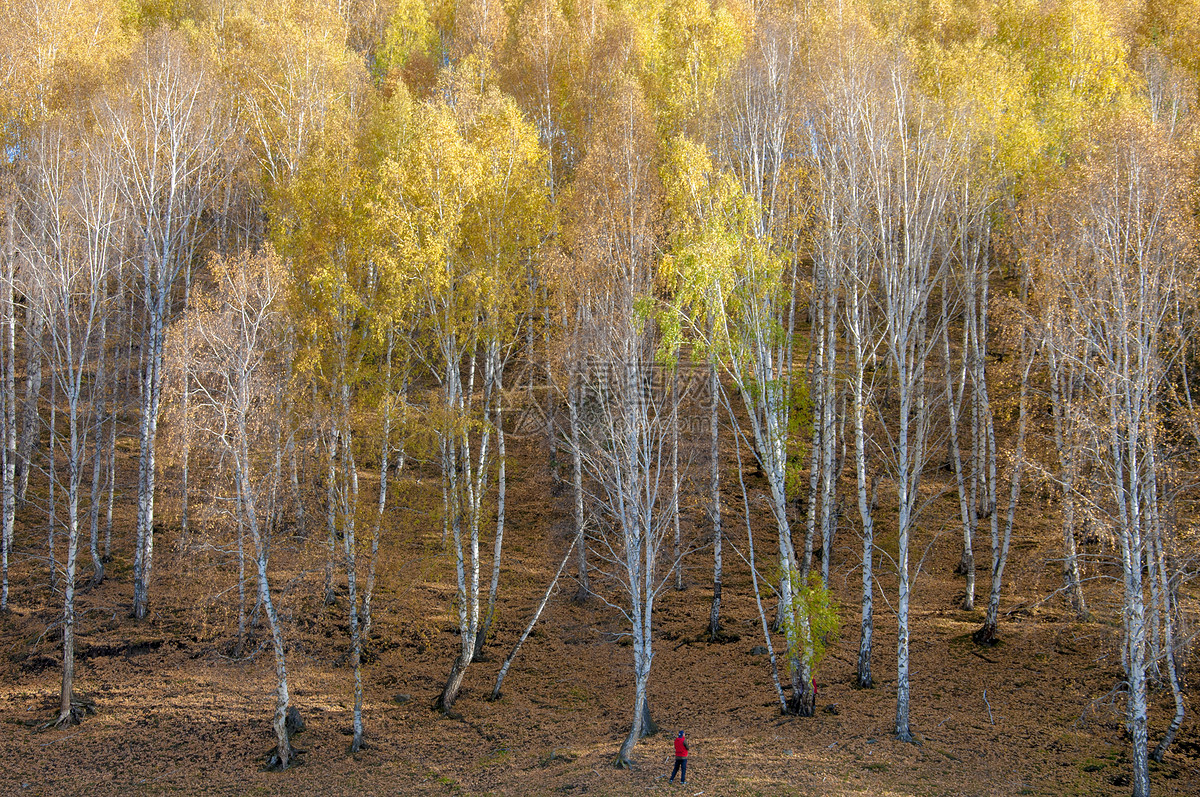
[[681, 754]]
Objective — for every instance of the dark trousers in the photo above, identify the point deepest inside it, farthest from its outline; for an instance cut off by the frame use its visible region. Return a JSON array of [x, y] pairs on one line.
[[681, 768]]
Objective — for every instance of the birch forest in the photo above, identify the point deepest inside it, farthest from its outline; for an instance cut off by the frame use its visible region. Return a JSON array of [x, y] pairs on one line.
[[468, 396]]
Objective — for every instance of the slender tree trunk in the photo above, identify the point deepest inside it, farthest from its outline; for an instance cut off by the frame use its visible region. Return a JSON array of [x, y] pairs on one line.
[[466, 617], [954, 394], [678, 568], [30, 419], [1158, 571], [489, 614], [97, 455], [762, 615], [8, 340], [577, 486], [283, 747], [52, 466], [815, 455], [151, 395], [1135, 650], [537, 613], [111, 464], [714, 510], [1000, 547], [331, 447], [351, 552], [241, 585], [185, 418], [829, 437], [857, 328], [1062, 391], [381, 505], [67, 714]]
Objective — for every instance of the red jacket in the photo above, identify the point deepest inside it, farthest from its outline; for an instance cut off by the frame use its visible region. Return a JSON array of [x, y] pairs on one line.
[[681, 749]]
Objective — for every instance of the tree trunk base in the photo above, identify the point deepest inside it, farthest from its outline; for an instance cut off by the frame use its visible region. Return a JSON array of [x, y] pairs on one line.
[[719, 636], [986, 636], [804, 705], [276, 764], [80, 707], [445, 700]]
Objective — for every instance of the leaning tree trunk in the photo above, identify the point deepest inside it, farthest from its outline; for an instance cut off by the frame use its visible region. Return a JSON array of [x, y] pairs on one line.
[[762, 615], [283, 747], [537, 613]]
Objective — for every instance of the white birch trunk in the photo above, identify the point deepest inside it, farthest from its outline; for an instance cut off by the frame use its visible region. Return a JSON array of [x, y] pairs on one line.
[[8, 353], [577, 486], [714, 507]]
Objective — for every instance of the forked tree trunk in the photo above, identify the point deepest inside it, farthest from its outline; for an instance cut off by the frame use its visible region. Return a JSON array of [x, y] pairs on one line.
[[642, 725]]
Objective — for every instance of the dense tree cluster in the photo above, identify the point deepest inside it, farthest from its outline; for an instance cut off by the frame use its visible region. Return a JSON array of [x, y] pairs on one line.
[[294, 238]]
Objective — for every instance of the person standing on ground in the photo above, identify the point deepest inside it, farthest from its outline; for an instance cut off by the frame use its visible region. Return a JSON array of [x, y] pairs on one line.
[[681, 754]]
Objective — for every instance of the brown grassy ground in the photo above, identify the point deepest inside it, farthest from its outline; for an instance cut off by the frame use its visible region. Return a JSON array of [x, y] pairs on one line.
[[177, 713]]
